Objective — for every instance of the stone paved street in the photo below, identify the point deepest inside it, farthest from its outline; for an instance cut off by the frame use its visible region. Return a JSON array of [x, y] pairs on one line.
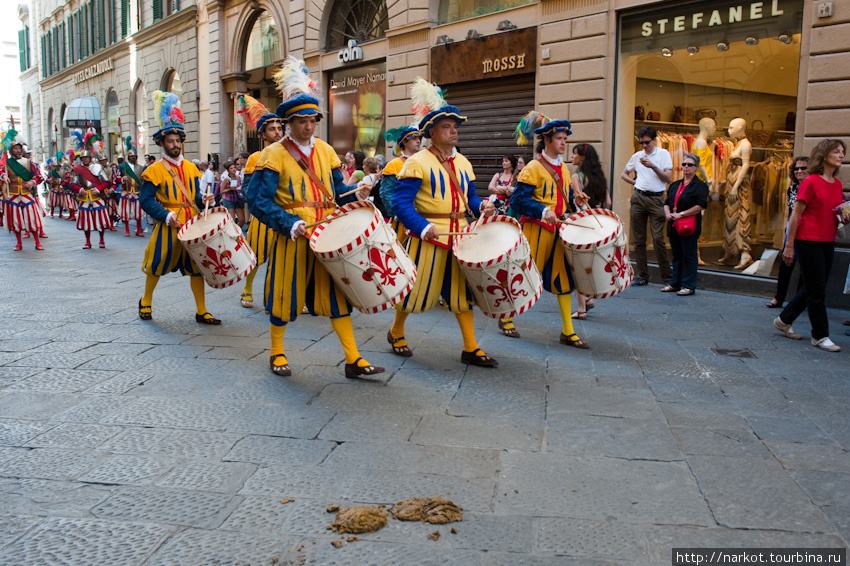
[[124, 442]]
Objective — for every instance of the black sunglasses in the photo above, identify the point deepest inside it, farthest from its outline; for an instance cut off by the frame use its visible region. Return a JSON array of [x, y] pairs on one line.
[[644, 142], [800, 168], [689, 164]]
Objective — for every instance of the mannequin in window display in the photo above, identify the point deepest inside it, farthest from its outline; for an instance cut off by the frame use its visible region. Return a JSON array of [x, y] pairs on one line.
[[736, 233], [703, 148]]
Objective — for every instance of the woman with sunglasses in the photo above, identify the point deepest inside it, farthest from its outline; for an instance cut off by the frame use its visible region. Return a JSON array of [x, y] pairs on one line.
[[811, 236], [798, 173], [686, 199]]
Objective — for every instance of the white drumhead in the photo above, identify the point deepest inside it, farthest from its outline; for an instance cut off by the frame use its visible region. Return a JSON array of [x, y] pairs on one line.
[[200, 226], [343, 230], [591, 233], [492, 240]]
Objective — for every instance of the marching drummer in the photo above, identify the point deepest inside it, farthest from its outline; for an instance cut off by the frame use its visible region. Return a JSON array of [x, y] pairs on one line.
[[295, 184], [171, 194], [433, 195], [406, 141], [270, 127], [543, 196]]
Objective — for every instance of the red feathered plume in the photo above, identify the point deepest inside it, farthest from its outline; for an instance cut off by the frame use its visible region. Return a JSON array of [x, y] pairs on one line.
[[175, 116]]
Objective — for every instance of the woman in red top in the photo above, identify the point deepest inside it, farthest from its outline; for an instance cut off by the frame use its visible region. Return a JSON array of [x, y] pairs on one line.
[[811, 234]]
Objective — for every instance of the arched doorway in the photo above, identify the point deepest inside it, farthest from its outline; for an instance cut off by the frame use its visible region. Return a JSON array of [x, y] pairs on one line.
[[52, 133], [171, 83], [113, 124], [64, 132], [140, 118], [263, 51]]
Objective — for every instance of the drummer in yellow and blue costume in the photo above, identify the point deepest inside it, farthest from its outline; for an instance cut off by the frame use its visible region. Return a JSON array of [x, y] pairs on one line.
[[283, 197], [543, 197], [407, 140], [163, 199], [270, 127], [428, 202]]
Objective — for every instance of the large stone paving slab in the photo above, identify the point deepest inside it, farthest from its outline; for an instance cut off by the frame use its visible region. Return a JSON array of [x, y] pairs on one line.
[[551, 485], [86, 541], [270, 450], [617, 437], [215, 548], [755, 493], [404, 456], [167, 506]]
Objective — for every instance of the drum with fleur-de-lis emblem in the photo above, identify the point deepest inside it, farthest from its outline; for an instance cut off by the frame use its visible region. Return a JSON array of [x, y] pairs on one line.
[[363, 255], [218, 248], [496, 261], [597, 251]]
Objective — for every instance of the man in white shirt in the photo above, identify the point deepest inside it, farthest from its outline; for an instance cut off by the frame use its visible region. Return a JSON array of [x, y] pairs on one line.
[[207, 178], [652, 167]]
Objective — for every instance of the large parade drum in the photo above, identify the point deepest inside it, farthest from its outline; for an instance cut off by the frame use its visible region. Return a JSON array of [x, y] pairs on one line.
[[498, 266], [218, 248], [363, 255], [598, 255]]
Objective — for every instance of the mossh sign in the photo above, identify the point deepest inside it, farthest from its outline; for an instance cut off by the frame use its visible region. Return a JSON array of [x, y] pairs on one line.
[[499, 55]]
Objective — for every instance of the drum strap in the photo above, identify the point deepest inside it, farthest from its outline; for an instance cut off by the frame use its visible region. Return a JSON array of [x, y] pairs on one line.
[[305, 165], [559, 181], [323, 204], [179, 184], [452, 177]]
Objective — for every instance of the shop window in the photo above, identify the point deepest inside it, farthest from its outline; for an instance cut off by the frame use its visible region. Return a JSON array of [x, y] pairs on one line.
[[454, 10], [171, 83], [692, 71], [360, 20], [357, 108], [63, 128], [263, 43]]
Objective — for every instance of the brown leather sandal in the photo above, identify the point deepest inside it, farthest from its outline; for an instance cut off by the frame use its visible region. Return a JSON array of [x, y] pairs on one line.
[[247, 300], [568, 341], [145, 311], [509, 332], [402, 351], [353, 371], [478, 358], [282, 370], [207, 318]]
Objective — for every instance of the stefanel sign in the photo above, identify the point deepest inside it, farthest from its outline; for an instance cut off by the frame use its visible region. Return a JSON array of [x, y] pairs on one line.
[[501, 55]]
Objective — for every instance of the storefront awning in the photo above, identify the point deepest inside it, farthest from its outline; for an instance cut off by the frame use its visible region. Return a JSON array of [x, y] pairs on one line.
[[82, 113]]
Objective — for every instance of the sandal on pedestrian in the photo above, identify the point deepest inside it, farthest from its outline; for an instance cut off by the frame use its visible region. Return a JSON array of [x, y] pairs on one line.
[[589, 304], [478, 358], [686, 292], [773, 304], [669, 289], [577, 343], [579, 315], [145, 311], [283, 370], [403, 351], [87, 246], [207, 318], [247, 300], [508, 329], [353, 371]]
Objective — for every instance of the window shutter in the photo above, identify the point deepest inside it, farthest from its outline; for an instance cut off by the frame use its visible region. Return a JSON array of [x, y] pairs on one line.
[[111, 21], [175, 6], [49, 53], [125, 18], [101, 23], [43, 58], [22, 50], [157, 10], [27, 46], [63, 47], [57, 61]]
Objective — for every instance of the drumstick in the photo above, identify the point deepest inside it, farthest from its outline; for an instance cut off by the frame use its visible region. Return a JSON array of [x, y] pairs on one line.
[[457, 233], [574, 224], [322, 221], [590, 211], [352, 191], [206, 208]]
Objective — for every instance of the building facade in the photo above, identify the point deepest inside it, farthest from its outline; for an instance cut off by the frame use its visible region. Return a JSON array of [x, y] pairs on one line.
[[609, 66]]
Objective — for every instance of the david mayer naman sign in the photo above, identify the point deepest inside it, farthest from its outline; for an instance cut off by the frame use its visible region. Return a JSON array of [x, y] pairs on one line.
[[92, 71], [705, 23]]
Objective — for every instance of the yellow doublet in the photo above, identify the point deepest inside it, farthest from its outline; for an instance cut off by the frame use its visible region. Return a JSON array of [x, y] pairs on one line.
[[251, 164], [394, 166], [164, 253], [547, 248], [546, 190], [294, 277], [435, 195], [294, 185], [706, 159]]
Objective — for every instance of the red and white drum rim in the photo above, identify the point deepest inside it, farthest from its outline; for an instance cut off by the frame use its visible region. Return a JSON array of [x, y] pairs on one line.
[[206, 235], [503, 255], [585, 214], [358, 241]]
